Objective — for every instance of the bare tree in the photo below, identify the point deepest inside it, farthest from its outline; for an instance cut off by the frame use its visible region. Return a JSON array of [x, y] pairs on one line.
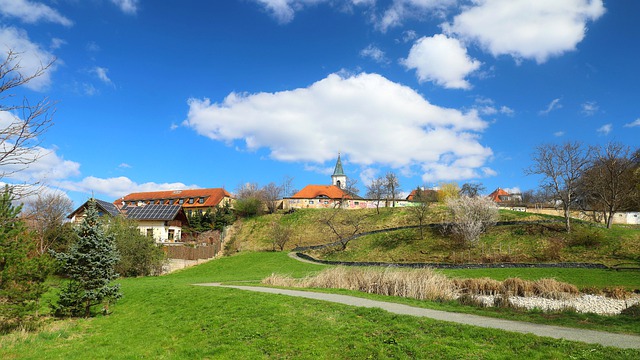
[[272, 195], [287, 186], [608, 186], [471, 216], [344, 224], [392, 185], [420, 208], [281, 234], [46, 214], [561, 167], [376, 191], [471, 189], [22, 123]]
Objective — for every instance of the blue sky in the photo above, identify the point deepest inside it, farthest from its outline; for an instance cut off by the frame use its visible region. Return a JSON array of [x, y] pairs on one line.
[[155, 95]]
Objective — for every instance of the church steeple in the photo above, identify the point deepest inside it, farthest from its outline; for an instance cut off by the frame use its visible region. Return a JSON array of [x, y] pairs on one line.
[[338, 178]]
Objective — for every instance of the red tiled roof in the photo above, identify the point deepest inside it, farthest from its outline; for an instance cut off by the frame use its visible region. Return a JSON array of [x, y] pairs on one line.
[[425, 193], [495, 196], [212, 197], [316, 191]]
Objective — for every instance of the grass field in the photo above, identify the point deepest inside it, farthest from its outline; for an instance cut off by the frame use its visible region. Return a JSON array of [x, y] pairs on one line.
[[169, 318]]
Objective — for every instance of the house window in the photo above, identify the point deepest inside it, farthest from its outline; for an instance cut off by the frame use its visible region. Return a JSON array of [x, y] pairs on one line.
[[190, 200], [326, 202], [189, 212], [310, 202], [171, 234], [181, 201], [201, 200], [356, 203], [150, 232]]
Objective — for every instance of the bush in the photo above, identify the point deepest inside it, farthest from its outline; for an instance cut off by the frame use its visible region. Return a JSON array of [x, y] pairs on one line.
[[139, 254], [632, 311], [586, 237]]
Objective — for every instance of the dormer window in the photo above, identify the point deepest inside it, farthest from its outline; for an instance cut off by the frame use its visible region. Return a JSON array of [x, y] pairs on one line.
[[191, 201], [181, 201], [201, 200]]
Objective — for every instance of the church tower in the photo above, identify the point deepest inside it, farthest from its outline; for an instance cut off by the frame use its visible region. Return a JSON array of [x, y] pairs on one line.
[[338, 178]]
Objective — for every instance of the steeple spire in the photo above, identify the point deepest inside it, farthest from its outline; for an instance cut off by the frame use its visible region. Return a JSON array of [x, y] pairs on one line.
[[338, 171], [338, 178]]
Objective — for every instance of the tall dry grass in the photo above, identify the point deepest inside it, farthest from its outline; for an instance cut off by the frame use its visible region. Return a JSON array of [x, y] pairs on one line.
[[423, 284]]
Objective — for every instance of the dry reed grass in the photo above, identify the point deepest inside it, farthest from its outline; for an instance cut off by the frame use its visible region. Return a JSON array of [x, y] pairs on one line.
[[421, 284], [424, 284]]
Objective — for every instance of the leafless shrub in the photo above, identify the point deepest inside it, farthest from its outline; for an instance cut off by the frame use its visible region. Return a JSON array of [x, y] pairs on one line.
[[481, 286], [553, 289], [469, 217], [517, 287]]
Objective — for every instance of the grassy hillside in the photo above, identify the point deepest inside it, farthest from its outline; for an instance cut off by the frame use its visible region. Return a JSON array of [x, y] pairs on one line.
[[169, 318], [515, 243]]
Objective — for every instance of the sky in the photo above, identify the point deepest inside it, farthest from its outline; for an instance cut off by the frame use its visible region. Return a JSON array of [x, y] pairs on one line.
[[158, 95]]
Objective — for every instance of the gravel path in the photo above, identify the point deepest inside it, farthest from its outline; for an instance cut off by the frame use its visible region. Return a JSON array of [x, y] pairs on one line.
[[587, 336]]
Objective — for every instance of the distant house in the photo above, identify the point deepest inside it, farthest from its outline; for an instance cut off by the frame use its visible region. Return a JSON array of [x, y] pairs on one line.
[[191, 201], [162, 222], [104, 209], [317, 196], [501, 196], [426, 194]]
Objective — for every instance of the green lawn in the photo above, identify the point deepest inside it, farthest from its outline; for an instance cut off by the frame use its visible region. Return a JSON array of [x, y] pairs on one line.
[[168, 318]]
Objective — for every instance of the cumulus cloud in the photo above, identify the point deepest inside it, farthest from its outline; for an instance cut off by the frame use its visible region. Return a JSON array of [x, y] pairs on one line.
[[31, 12], [526, 29], [605, 129], [47, 167], [443, 60], [127, 6], [31, 56], [118, 186], [558, 133], [553, 105], [633, 123], [374, 53], [369, 118]]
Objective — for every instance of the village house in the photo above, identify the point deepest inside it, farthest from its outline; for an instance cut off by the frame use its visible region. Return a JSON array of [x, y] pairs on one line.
[[191, 201], [161, 222], [334, 195]]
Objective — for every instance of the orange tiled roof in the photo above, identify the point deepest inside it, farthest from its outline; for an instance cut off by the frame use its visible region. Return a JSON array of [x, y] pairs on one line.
[[212, 197], [320, 191], [425, 192], [495, 196]]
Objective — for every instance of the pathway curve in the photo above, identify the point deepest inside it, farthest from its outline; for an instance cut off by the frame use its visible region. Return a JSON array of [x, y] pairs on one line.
[[557, 332]]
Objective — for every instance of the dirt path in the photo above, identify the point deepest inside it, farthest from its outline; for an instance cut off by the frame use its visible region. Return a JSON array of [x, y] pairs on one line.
[[557, 332]]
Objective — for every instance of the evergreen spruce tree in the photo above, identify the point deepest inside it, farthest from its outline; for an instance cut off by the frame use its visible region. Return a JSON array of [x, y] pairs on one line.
[[22, 270], [90, 266]]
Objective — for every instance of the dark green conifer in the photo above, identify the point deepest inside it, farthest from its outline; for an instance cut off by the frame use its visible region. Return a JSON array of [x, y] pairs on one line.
[[90, 266]]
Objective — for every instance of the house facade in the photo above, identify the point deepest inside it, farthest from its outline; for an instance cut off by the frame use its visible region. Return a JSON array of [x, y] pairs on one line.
[[191, 200], [161, 222]]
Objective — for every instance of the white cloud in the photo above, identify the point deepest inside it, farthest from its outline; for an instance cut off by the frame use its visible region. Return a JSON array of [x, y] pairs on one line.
[[589, 108], [374, 53], [56, 43], [118, 186], [558, 133], [127, 6], [442, 60], [526, 29], [31, 12], [553, 105], [486, 106], [369, 118], [633, 123], [101, 73], [605, 129], [284, 10], [124, 166], [401, 10], [31, 56], [47, 167]]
